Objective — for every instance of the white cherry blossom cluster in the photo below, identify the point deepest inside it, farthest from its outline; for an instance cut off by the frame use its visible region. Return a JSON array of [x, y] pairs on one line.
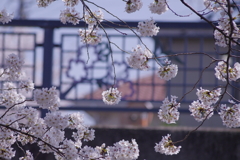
[[168, 71], [5, 17], [71, 3], [90, 35], [222, 71], [230, 115], [215, 5], [225, 26], [27, 85], [139, 58], [70, 15], [148, 28], [166, 146], [133, 6], [47, 98], [208, 97], [44, 3], [124, 150], [168, 111], [93, 18], [28, 156], [111, 96], [10, 97], [13, 70], [55, 119], [200, 111], [158, 6]]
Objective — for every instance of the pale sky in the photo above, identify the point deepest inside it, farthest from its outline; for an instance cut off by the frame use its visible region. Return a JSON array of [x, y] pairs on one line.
[[114, 6]]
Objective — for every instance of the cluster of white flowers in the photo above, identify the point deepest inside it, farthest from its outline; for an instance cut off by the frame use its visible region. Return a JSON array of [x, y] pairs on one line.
[[71, 3], [70, 16], [93, 18], [148, 28], [90, 36], [27, 85], [10, 97], [5, 17], [168, 111], [28, 156], [215, 5], [166, 146], [124, 150], [228, 28], [55, 119], [44, 3], [208, 97], [47, 98], [158, 6], [13, 70], [168, 71], [230, 115], [225, 26], [200, 111], [139, 58], [133, 6], [221, 71], [111, 96]]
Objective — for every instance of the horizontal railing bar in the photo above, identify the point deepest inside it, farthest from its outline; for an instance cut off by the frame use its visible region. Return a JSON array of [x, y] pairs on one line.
[[58, 24]]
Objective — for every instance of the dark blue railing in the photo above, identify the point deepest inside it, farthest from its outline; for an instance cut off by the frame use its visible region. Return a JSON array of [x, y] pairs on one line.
[[175, 38]]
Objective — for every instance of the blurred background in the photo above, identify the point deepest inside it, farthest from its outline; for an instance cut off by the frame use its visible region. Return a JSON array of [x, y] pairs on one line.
[[54, 55]]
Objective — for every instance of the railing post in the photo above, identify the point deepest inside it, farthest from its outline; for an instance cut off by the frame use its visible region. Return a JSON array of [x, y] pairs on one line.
[[48, 45]]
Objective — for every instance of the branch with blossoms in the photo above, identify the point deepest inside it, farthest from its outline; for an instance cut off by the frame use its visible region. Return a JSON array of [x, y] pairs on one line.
[[226, 35], [22, 124]]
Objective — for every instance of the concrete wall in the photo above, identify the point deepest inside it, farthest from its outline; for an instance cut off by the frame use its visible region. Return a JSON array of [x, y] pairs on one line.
[[205, 144]]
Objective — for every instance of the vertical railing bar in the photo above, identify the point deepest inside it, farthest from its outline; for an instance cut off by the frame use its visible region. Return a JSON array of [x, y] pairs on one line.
[[47, 60], [34, 59], [201, 59], [61, 66], [185, 68]]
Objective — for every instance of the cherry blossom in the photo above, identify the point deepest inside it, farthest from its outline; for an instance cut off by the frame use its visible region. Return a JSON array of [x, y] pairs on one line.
[[28, 156], [166, 146], [233, 73], [168, 71], [225, 26], [70, 15], [94, 17], [111, 96], [90, 36], [71, 3], [47, 98], [27, 85], [230, 115], [215, 5], [158, 6], [148, 28], [44, 3], [14, 64], [208, 97], [133, 6], [124, 150], [139, 58], [5, 17], [200, 111], [168, 111]]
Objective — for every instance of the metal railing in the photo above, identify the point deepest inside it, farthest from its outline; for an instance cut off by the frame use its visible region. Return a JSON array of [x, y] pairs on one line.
[[59, 58]]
